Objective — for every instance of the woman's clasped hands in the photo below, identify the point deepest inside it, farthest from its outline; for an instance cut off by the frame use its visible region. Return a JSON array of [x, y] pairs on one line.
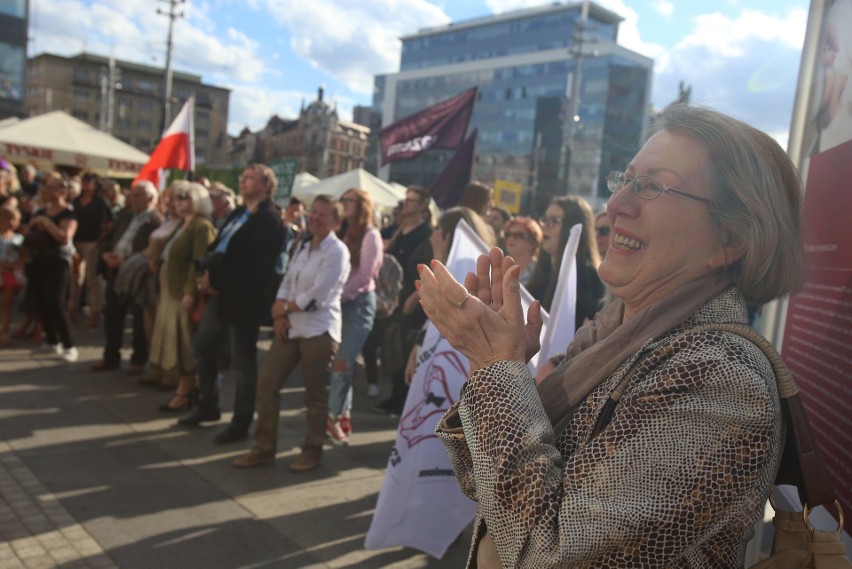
[[483, 319]]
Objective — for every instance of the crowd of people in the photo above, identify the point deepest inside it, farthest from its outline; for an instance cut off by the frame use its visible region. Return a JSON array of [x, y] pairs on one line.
[[661, 420], [199, 269]]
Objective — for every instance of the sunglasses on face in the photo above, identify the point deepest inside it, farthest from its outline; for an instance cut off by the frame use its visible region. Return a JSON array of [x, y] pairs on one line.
[[516, 235]]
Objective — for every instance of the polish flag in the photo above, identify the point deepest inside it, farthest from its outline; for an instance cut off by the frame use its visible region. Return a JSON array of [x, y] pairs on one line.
[[175, 150]]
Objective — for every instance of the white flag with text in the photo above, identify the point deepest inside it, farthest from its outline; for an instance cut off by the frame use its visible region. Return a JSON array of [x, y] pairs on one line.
[[420, 504]]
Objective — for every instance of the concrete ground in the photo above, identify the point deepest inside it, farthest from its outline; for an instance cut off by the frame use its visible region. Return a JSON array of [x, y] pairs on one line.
[[92, 475]]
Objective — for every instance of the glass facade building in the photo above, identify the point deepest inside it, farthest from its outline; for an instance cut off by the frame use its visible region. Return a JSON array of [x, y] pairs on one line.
[[13, 57], [525, 64]]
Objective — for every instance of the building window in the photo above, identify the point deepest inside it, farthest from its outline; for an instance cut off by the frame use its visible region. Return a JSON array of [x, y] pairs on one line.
[[144, 124], [81, 75], [201, 133], [11, 72], [16, 8], [146, 105], [145, 86], [81, 95], [80, 114]]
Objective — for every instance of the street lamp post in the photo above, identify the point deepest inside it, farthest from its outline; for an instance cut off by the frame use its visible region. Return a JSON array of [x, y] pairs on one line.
[[172, 14]]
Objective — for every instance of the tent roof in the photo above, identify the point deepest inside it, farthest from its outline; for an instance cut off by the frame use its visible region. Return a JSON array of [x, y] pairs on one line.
[[384, 195], [58, 139], [303, 180]]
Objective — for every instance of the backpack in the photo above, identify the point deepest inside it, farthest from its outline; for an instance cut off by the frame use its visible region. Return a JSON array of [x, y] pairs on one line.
[[388, 285]]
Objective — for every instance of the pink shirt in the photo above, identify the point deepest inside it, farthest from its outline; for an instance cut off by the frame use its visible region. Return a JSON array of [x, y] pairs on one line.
[[363, 278]]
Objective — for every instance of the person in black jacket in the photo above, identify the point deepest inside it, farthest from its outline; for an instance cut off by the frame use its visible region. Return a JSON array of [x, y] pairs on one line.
[[239, 274]]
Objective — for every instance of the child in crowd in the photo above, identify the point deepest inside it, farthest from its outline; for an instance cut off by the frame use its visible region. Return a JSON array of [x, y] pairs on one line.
[[11, 266]]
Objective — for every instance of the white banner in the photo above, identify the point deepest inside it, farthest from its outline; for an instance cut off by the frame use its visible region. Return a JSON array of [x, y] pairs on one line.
[[420, 504], [559, 332]]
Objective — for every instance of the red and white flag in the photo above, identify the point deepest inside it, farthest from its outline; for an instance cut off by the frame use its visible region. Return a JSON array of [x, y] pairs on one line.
[[175, 150]]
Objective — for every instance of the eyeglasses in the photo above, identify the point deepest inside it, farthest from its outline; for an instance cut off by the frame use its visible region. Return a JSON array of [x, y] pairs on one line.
[[183, 196], [603, 231], [550, 221], [516, 235], [645, 187]]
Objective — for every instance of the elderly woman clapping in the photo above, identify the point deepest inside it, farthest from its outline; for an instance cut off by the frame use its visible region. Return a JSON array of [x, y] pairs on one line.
[[705, 217]]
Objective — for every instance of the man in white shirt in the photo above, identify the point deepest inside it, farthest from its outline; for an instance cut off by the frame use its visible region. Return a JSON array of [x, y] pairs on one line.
[[307, 322]]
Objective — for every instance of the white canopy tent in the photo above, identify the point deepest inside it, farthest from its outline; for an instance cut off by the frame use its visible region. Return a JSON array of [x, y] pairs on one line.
[[303, 180], [58, 139], [384, 195]]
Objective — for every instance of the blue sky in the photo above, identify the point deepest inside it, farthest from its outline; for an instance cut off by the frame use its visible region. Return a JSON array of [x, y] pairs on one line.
[[740, 56]]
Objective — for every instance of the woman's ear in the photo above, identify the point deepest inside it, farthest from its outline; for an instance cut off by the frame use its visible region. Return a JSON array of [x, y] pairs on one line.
[[731, 249]]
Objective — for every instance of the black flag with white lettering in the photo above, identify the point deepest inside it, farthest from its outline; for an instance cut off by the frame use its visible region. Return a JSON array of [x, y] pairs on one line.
[[447, 188], [443, 125]]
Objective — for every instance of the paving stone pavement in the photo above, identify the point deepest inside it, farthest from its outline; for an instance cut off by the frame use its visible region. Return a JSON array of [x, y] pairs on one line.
[[91, 475], [36, 531]]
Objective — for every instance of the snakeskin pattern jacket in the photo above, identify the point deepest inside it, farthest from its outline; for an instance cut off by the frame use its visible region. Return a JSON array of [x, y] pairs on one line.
[[677, 479]]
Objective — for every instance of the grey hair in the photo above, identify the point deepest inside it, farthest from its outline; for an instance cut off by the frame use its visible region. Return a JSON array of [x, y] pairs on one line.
[[756, 198], [150, 190], [198, 195]]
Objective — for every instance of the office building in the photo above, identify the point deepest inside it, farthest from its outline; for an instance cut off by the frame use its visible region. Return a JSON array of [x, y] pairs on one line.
[[13, 57], [542, 122], [125, 99]]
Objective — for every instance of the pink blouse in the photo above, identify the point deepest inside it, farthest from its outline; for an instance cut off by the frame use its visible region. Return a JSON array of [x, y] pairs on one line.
[[363, 278]]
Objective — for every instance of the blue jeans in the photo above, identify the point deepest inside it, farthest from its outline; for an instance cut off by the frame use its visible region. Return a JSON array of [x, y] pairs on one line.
[[358, 316], [209, 339]]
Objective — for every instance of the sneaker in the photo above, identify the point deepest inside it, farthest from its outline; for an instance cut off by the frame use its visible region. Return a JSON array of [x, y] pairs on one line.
[[373, 390], [70, 355], [346, 425], [335, 433]]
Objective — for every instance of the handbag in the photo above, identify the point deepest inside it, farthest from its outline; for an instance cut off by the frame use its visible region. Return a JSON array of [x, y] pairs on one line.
[[197, 311], [797, 544]]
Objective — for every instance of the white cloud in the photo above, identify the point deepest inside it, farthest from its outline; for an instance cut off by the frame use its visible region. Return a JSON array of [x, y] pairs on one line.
[[355, 39], [745, 66], [663, 7], [250, 106], [628, 30], [133, 31]]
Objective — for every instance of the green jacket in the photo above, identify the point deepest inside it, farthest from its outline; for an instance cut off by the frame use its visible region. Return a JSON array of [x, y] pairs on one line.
[[189, 245]]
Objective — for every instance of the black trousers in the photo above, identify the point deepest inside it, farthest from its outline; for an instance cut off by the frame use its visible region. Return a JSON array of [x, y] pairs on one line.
[[115, 312], [50, 277]]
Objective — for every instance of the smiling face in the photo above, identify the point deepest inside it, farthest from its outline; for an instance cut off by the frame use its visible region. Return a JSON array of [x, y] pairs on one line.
[[322, 220], [658, 245]]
